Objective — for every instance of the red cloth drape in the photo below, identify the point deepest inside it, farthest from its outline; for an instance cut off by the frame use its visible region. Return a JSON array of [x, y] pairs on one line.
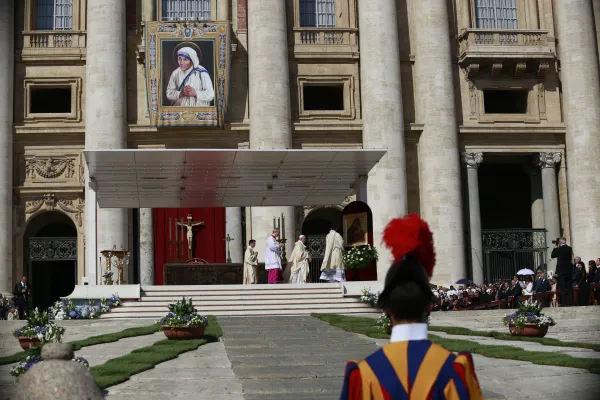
[[209, 243]]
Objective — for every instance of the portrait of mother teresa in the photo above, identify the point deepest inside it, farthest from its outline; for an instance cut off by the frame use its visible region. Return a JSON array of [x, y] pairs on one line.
[[190, 84]]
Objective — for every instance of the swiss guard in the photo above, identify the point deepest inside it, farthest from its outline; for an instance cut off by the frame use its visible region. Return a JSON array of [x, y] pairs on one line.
[[410, 366]]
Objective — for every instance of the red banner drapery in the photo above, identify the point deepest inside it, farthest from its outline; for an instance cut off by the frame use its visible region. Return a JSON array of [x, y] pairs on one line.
[[208, 242]]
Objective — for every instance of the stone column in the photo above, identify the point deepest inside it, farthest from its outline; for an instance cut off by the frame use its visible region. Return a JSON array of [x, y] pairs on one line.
[[270, 111], [223, 10], [233, 228], [547, 162], [360, 187], [472, 161], [106, 104], [146, 235], [532, 14], [439, 162], [7, 29], [580, 77], [382, 114], [537, 198]]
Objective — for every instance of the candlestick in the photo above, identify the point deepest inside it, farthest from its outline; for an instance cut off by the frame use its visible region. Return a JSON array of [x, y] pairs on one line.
[[282, 226]]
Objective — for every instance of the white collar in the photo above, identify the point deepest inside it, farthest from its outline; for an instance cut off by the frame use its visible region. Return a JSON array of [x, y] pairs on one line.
[[403, 332]]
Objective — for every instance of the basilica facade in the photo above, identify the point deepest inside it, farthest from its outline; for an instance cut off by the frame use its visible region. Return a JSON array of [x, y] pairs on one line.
[[489, 111]]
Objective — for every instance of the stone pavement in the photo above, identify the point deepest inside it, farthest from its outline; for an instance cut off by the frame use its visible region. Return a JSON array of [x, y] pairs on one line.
[[204, 373], [293, 357]]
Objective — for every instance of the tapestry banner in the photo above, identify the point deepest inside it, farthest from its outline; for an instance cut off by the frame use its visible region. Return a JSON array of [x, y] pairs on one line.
[[187, 72]]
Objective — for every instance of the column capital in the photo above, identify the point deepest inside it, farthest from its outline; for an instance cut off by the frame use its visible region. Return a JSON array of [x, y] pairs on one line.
[[472, 160], [548, 160]]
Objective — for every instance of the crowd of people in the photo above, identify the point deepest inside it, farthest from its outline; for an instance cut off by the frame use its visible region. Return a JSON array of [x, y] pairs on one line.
[[466, 296]]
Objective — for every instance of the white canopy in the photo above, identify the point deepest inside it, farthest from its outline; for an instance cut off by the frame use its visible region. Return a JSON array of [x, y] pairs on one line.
[[164, 178]]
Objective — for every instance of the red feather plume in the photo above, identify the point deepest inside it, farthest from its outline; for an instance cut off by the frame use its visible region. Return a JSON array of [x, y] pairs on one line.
[[411, 236]]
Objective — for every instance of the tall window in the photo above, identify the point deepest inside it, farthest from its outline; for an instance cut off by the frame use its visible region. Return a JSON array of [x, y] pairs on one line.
[[54, 15], [317, 13], [496, 14], [186, 10]]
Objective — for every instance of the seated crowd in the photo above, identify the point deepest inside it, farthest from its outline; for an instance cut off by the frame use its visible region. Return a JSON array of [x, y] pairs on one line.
[[505, 293]]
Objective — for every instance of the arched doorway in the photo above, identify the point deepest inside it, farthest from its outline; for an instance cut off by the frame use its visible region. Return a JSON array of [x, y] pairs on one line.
[[315, 227], [50, 255]]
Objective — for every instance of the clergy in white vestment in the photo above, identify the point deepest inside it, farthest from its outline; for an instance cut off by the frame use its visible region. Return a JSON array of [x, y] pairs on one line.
[[190, 84], [273, 258], [251, 264], [333, 268], [297, 266]]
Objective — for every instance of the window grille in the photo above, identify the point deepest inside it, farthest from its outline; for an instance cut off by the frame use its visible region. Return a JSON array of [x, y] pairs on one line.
[[186, 10], [54, 15], [496, 14], [317, 13]]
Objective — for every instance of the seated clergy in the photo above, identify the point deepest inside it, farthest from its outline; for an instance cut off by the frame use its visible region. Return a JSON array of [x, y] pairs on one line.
[[410, 366], [298, 262], [251, 264]]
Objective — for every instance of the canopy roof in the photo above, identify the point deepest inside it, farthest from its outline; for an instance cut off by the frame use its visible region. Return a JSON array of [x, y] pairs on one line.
[[164, 178]]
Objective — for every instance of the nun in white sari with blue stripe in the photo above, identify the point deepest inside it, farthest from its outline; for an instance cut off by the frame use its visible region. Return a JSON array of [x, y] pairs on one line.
[[190, 84]]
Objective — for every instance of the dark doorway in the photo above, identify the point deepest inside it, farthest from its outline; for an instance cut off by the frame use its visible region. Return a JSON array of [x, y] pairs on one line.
[[504, 196], [50, 249]]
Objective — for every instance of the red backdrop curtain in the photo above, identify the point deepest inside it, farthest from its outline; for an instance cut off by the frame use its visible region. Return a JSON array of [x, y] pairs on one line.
[[208, 242]]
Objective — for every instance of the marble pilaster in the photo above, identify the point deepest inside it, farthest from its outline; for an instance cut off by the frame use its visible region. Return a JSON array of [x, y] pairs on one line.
[[106, 106], [463, 14], [548, 162], [580, 76], [472, 161], [7, 38], [233, 228], [270, 113], [382, 115], [223, 10], [146, 235], [439, 156], [532, 13]]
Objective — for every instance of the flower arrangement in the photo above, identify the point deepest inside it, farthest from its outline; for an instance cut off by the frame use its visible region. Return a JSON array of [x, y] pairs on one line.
[[183, 314], [21, 367], [369, 297], [528, 313], [360, 256], [65, 309], [107, 278], [39, 325]]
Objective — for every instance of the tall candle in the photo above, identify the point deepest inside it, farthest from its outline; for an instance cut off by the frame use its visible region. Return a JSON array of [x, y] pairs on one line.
[[282, 226]]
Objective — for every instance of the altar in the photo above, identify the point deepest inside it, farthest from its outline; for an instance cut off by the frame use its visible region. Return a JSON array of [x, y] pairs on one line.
[[208, 273]]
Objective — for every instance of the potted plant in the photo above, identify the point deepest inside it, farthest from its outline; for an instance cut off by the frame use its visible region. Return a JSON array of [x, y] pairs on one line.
[[528, 321], [183, 321], [357, 258], [39, 329]]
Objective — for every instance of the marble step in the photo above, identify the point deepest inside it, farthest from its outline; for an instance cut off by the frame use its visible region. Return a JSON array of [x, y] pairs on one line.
[[208, 308], [245, 301], [253, 296], [264, 292], [246, 288], [155, 315]]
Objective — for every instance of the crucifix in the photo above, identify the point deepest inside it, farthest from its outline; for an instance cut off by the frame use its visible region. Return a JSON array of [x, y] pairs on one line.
[[228, 239], [189, 226]]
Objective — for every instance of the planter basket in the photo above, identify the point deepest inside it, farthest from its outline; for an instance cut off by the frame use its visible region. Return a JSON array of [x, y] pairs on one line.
[[28, 342], [191, 332], [530, 330]]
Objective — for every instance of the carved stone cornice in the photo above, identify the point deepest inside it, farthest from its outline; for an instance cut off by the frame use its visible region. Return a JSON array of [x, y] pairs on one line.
[[472, 160], [49, 202], [548, 160], [50, 167]]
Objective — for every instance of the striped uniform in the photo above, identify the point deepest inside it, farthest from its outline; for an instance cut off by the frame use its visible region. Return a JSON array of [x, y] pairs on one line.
[[412, 369]]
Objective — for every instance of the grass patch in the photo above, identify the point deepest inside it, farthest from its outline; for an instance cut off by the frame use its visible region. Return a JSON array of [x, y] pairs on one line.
[[99, 339], [451, 330], [366, 327], [120, 369]]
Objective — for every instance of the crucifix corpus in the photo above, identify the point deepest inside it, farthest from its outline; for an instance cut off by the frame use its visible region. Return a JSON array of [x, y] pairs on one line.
[[189, 227], [228, 239]]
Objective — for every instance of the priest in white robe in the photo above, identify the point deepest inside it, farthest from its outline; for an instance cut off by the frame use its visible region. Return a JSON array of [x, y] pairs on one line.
[[333, 268], [273, 258], [190, 84], [251, 264], [297, 267]]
